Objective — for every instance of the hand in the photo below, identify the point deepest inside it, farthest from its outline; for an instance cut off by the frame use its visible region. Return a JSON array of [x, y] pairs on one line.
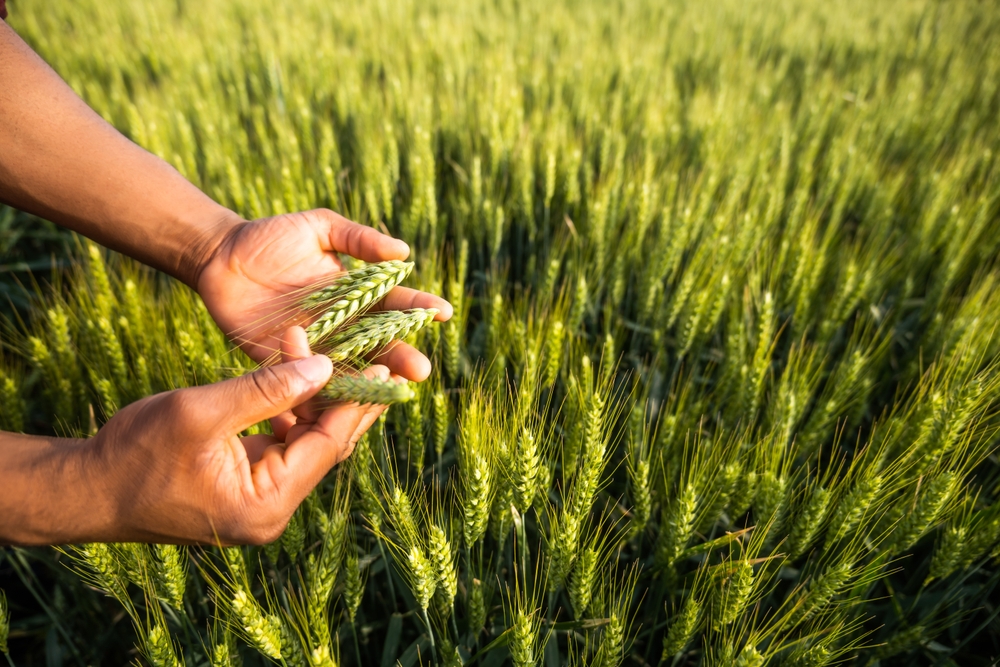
[[257, 263], [177, 471]]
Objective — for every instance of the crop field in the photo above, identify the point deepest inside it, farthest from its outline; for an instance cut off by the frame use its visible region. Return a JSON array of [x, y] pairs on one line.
[[722, 386]]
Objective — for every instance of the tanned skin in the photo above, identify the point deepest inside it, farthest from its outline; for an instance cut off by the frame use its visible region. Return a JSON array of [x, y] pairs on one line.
[[171, 467]]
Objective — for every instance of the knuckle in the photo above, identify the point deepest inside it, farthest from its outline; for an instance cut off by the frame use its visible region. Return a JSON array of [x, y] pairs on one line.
[[355, 237], [273, 386], [348, 449]]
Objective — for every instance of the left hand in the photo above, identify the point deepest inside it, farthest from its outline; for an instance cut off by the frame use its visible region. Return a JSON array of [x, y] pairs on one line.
[[257, 263]]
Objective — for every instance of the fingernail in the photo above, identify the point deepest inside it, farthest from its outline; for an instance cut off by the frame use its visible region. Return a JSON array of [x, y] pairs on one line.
[[316, 368], [378, 372]]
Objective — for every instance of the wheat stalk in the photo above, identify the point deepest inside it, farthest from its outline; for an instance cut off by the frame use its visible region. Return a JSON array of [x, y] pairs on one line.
[[4, 623]]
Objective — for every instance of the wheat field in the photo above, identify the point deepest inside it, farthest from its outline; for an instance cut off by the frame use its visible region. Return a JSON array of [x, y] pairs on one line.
[[722, 386]]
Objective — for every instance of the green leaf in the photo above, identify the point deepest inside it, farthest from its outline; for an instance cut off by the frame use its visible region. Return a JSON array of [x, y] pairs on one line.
[[414, 651], [392, 635]]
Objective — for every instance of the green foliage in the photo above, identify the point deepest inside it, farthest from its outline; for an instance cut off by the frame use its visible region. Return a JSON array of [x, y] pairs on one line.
[[4, 622], [722, 384]]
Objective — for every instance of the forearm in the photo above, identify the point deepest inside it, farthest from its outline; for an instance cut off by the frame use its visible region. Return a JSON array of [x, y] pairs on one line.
[[63, 162], [46, 496]]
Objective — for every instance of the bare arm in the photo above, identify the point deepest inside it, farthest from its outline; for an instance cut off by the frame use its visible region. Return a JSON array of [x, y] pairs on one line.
[[172, 467], [44, 490], [61, 161]]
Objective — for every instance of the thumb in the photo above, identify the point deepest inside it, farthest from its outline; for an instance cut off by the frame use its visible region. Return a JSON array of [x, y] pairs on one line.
[[244, 401]]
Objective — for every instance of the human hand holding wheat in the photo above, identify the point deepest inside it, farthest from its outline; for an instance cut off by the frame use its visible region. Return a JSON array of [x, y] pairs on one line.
[[176, 470], [172, 467], [258, 263]]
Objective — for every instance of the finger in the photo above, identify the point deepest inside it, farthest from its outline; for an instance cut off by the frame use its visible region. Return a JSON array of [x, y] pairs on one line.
[[257, 444], [294, 474], [404, 298], [371, 416], [301, 470], [338, 234], [280, 424], [404, 360], [295, 470], [327, 423], [295, 345], [241, 402], [295, 477], [332, 432]]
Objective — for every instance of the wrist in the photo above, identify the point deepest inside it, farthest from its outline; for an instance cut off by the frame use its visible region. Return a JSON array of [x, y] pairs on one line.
[[48, 493], [215, 229]]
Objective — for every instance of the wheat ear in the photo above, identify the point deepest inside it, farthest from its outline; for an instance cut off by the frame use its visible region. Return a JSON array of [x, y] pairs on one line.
[[355, 389], [374, 332], [352, 294]]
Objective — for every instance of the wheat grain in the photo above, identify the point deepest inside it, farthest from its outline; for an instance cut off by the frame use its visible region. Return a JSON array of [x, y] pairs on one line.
[[563, 544], [770, 503], [682, 628], [359, 389], [750, 657], [476, 608], [821, 590], [416, 445], [553, 353], [352, 294], [581, 583], [373, 332], [525, 474], [732, 595], [262, 632], [12, 398], [949, 552], [808, 521], [814, 656], [354, 586], [477, 499], [676, 527], [171, 574], [851, 508], [722, 489], [522, 640], [442, 558], [744, 494], [293, 539], [442, 422], [928, 508], [612, 642], [292, 652], [159, 648]]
